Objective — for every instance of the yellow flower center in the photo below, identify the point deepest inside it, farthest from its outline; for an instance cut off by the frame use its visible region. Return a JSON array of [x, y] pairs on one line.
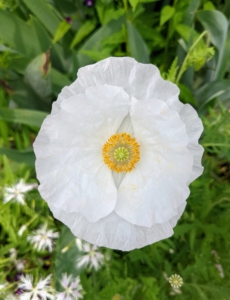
[[121, 152]]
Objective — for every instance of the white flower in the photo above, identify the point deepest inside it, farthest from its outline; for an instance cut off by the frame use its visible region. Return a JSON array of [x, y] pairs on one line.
[[43, 239], [72, 289], [176, 281], [39, 291], [91, 258], [17, 192], [116, 155]]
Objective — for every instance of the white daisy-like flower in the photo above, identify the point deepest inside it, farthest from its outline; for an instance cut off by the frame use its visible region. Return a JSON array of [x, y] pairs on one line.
[[92, 257], [176, 281], [116, 155], [72, 289], [40, 291], [17, 192], [43, 239]]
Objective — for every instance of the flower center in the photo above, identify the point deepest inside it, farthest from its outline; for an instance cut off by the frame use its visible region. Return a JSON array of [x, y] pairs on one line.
[[121, 152]]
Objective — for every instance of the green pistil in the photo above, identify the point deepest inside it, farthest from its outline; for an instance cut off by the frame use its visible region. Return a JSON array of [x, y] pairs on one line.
[[121, 154]]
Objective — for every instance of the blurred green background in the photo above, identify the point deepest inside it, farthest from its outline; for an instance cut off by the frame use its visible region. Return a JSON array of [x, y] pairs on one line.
[[43, 43]]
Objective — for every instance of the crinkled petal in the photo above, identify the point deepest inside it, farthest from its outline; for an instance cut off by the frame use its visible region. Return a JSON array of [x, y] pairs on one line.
[[68, 149], [114, 232], [194, 128], [142, 81], [152, 192]]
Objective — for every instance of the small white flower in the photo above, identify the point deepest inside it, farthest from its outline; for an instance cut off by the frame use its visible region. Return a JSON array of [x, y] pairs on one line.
[[72, 289], [43, 239], [176, 281], [39, 291], [21, 230], [92, 257], [17, 191]]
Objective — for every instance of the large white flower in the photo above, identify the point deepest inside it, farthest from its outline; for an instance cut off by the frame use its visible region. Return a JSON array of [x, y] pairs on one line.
[[117, 153]]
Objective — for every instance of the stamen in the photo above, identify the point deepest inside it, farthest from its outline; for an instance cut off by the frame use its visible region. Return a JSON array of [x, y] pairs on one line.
[[121, 152]]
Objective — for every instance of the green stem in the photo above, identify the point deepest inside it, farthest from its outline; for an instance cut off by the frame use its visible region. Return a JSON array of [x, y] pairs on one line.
[[183, 67]]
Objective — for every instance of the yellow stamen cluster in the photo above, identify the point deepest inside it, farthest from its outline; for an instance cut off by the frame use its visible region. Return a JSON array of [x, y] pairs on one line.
[[121, 152]]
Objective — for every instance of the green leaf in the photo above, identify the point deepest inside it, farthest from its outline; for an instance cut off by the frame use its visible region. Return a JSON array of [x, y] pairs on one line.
[[25, 156], [95, 55], [66, 254], [95, 41], [8, 171], [58, 81], [37, 75], [171, 76], [148, 1], [44, 13], [19, 35], [217, 26], [137, 46], [189, 15], [166, 14], [211, 90], [209, 6], [134, 3], [23, 116], [63, 28], [83, 31], [42, 35], [186, 95]]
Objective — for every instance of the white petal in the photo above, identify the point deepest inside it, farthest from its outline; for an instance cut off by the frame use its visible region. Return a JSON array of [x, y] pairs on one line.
[[194, 128], [126, 126], [68, 149], [114, 232], [152, 192], [7, 198], [20, 198], [142, 81]]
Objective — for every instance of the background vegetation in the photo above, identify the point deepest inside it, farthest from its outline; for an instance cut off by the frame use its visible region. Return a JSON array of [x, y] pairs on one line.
[[42, 45]]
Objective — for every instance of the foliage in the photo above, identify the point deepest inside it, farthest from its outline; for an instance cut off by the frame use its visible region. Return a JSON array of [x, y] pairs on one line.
[[42, 45]]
